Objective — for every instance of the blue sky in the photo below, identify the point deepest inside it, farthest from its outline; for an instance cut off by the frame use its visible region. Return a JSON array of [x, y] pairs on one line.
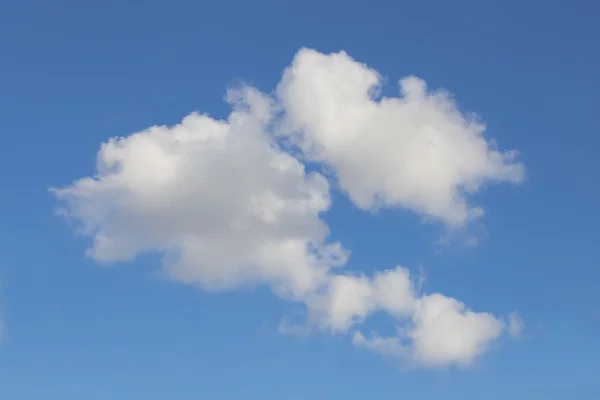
[[206, 322]]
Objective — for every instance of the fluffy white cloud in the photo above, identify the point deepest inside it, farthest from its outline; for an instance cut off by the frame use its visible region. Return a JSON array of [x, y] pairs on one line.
[[348, 300], [446, 331], [419, 151], [217, 197], [227, 206], [443, 331], [435, 330]]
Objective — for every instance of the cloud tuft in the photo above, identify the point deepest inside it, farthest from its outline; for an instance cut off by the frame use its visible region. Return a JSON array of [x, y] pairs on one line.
[[418, 151]]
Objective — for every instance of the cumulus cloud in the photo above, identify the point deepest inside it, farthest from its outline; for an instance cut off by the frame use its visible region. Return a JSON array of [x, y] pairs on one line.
[[435, 330], [217, 197], [442, 331], [227, 206], [348, 300], [417, 151]]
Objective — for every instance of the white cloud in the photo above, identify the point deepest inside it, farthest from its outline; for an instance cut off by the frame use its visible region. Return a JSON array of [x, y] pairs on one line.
[[227, 206], [445, 331], [389, 347], [224, 204], [418, 151], [434, 330], [348, 300]]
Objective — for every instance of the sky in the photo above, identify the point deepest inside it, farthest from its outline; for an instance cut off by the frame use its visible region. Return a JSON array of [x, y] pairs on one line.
[[277, 200]]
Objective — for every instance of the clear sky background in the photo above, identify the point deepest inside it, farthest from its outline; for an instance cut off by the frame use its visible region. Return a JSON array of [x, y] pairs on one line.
[[74, 74]]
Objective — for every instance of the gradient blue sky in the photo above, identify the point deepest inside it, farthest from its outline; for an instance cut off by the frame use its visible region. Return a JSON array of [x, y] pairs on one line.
[[75, 73]]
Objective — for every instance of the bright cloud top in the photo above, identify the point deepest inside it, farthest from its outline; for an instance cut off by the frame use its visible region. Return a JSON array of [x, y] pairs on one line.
[[227, 206], [418, 151]]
